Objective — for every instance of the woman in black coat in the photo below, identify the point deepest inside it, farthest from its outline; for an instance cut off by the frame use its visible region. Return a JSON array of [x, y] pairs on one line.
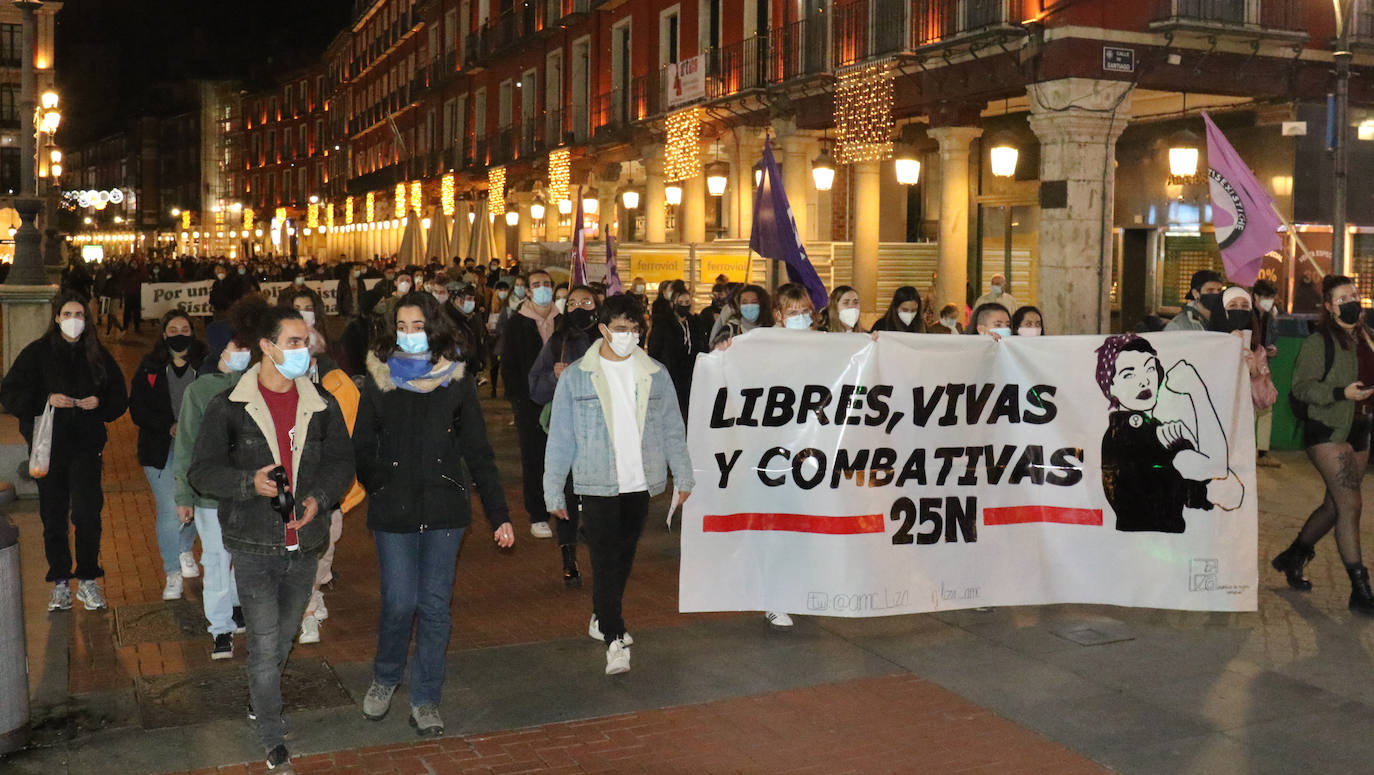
[[154, 404], [68, 369], [675, 339], [419, 429]]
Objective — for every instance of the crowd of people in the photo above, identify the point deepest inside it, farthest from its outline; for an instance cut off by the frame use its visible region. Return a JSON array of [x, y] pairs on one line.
[[262, 425]]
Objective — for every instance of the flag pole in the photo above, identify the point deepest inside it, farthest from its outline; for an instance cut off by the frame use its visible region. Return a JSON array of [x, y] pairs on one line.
[[1307, 254]]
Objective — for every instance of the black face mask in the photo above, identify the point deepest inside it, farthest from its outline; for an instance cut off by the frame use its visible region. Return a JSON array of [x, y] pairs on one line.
[[1350, 312], [1238, 319], [1212, 303], [180, 343], [683, 310], [581, 319]]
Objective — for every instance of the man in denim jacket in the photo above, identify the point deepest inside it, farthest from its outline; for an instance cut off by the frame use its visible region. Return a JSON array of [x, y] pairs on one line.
[[616, 426]]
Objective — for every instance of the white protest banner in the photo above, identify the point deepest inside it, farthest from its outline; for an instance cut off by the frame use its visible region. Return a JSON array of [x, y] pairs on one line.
[[161, 298], [194, 297], [842, 476]]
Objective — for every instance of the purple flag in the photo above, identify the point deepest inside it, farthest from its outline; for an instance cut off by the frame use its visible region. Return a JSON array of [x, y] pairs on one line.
[[579, 246], [1242, 212], [613, 286], [775, 231]]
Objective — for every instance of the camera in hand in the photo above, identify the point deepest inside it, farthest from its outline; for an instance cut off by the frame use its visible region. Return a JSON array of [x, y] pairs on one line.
[[284, 502]]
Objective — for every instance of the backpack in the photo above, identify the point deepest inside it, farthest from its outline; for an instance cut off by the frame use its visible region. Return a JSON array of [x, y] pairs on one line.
[[1299, 407]]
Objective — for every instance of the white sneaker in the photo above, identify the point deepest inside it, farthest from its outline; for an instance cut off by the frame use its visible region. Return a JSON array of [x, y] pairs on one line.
[[618, 657], [188, 566], [540, 530], [88, 592], [173, 589], [61, 599], [317, 605], [594, 632], [777, 620], [310, 630]]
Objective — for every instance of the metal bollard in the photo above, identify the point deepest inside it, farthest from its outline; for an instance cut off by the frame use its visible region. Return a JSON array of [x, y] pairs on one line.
[[14, 664]]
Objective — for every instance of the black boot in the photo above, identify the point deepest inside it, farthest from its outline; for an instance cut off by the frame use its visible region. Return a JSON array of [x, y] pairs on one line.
[[1361, 598], [1290, 563], [571, 578]]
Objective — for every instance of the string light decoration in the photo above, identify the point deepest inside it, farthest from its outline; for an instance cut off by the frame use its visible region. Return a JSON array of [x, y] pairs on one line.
[[682, 151], [496, 190], [329, 215], [312, 216], [185, 220], [417, 196], [348, 211], [560, 162], [863, 113], [446, 194], [247, 218], [400, 200], [371, 206]]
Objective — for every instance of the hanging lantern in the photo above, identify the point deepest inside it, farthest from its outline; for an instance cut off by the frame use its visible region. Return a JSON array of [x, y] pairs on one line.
[[630, 197], [717, 177], [537, 208], [672, 193], [907, 166], [590, 201], [1183, 154], [823, 170]]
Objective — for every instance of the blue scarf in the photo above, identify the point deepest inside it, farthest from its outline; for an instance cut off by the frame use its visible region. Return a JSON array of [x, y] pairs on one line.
[[408, 371]]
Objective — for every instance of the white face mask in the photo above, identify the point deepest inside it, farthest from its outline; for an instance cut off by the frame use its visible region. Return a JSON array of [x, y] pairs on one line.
[[308, 315], [798, 322], [849, 316], [949, 323], [906, 317], [624, 342], [72, 327], [1266, 304], [561, 304], [1024, 331], [403, 287]]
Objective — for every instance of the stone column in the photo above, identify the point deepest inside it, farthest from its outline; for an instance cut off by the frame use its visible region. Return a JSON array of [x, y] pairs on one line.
[[745, 152], [655, 224], [692, 216], [1077, 179], [865, 224], [954, 216], [796, 179], [525, 228], [27, 310]]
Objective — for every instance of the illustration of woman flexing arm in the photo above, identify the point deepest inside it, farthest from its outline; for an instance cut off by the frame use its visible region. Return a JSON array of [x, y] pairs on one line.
[[1153, 468]]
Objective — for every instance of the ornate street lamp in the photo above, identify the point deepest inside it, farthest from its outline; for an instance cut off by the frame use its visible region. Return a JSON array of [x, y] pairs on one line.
[[823, 170]]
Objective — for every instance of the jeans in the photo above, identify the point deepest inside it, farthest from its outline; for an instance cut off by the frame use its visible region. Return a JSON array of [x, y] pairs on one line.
[[71, 491], [173, 538], [532, 440], [612, 525], [417, 572], [274, 591], [219, 595]]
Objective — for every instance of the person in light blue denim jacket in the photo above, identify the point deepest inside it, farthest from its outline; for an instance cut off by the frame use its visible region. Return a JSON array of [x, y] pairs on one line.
[[616, 427]]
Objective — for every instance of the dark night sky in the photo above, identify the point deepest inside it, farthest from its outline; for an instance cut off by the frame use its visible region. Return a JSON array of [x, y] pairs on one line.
[[110, 51]]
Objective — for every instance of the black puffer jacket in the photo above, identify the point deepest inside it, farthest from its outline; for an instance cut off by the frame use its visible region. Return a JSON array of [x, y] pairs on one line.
[[411, 447], [150, 407]]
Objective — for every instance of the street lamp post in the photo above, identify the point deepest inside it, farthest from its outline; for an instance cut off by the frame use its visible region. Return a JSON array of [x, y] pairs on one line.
[[28, 258], [1339, 146]]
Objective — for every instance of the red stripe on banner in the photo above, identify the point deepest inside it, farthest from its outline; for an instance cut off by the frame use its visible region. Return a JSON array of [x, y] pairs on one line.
[[1020, 515], [794, 523]]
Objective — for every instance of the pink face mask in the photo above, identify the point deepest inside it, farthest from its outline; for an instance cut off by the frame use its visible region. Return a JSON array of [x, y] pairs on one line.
[[1025, 331]]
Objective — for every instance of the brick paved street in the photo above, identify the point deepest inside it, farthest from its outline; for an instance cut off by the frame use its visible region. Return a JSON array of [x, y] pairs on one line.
[[133, 690]]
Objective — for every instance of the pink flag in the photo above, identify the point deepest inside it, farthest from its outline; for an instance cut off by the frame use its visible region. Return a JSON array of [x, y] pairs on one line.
[[579, 245], [1242, 212]]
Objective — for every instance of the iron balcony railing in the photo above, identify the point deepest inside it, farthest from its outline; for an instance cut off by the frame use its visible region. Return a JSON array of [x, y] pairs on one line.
[[1281, 15], [933, 21]]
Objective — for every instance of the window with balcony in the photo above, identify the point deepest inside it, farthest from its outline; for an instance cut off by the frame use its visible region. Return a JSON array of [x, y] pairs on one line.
[[668, 25], [289, 100], [9, 108], [621, 75], [1279, 15]]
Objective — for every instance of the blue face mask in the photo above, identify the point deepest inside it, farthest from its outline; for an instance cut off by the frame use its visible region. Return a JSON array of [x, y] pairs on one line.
[[469, 306], [799, 322], [238, 360], [750, 312], [295, 363], [542, 295], [414, 344]]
